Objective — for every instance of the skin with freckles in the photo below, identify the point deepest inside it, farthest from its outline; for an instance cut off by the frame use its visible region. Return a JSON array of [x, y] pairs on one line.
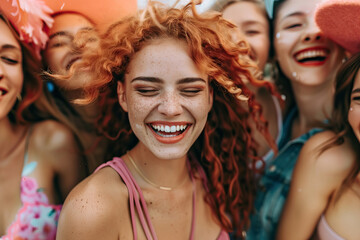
[[171, 84], [155, 91]]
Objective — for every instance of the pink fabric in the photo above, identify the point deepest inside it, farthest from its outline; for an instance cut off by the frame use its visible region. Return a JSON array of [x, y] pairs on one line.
[[36, 219], [138, 205], [325, 232]]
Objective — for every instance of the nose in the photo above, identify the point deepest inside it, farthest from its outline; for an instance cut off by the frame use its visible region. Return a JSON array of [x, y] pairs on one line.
[[170, 105], [312, 33]]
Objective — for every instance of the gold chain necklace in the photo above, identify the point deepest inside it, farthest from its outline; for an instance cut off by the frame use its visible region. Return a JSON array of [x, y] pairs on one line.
[[148, 180]]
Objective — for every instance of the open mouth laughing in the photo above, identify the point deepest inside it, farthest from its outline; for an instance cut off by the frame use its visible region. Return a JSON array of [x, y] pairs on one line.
[[312, 56], [3, 91], [169, 132]]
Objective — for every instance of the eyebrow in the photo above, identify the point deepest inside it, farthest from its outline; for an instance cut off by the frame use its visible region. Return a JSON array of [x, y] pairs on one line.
[[357, 90], [294, 14], [9, 47], [66, 33], [159, 80]]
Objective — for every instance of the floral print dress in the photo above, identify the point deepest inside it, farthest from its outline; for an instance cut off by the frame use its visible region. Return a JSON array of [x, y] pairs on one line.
[[36, 219]]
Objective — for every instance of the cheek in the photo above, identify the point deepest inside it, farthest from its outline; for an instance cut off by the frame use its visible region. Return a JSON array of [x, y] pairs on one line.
[[354, 118], [53, 60]]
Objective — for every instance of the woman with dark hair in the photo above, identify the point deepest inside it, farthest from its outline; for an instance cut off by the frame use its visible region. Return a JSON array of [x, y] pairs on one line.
[[307, 62], [175, 101], [324, 198], [40, 157]]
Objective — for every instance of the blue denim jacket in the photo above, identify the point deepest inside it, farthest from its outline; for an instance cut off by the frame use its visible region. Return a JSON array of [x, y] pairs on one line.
[[275, 183]]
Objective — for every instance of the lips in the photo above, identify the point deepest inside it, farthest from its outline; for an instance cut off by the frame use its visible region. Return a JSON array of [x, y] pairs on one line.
[[3, 91], [315, 56], [169, 132]]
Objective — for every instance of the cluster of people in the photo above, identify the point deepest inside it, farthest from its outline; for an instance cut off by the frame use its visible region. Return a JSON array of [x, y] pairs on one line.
[[241, 122]]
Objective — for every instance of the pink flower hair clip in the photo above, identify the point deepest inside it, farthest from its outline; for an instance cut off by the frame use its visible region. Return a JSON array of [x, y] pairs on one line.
[[28, 18]]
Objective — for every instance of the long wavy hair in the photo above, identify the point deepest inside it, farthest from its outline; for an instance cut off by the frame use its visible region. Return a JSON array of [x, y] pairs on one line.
[[225, 148], [339, 122], [36, 102]]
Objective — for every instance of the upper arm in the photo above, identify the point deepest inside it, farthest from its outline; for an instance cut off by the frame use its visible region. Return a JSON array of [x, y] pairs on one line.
[[57, 146], [89, 212], [315, 179]]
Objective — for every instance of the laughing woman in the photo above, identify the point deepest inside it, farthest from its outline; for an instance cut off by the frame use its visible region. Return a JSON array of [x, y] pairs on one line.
[[174, 82], [307, 62], [40, 159]]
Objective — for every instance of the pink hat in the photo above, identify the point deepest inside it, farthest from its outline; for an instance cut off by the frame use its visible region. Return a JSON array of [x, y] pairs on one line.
[[102, 12], [339, 20]]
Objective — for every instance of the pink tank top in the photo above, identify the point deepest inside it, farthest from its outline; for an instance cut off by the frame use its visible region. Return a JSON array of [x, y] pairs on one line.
[[138, 205], [325, 232]]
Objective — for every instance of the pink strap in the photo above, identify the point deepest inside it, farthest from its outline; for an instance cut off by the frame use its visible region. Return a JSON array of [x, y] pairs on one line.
[[135, 193]]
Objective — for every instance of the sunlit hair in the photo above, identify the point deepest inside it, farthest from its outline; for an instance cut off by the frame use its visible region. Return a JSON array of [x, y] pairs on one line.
[[339, 122], [225, 148]]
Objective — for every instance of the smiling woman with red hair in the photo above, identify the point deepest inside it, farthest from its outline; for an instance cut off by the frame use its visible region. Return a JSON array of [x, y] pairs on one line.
[[175, 102]]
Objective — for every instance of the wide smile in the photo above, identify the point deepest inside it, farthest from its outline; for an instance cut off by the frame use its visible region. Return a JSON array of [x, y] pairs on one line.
[[315, 56], [169, 132], [3, 91]]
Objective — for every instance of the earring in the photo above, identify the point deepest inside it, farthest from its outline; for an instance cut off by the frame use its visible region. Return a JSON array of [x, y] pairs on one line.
[[19, 97], [344, 60], [351, 109]]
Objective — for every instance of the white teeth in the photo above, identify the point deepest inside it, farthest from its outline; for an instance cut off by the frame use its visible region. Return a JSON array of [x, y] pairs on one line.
[[311, 54], [169, 129]]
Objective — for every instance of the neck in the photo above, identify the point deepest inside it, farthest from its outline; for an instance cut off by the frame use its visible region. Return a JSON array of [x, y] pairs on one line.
[[314, 104], [169, 173], [10, 137]]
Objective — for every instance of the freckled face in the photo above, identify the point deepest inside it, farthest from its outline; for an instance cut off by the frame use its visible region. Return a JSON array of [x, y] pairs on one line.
[[354, 111], [304, 54], [11, 73], [60, 53], [253, 23], [167, 98]]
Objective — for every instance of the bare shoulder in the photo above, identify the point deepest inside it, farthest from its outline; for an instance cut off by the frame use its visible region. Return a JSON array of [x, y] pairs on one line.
[[337, 159], [94, 207], [53, 135]]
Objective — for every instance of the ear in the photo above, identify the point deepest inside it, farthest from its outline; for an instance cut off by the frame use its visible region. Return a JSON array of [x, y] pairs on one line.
[[122, 95]]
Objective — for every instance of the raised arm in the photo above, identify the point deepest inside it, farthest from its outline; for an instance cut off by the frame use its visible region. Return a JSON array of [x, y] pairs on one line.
[[315, 179]]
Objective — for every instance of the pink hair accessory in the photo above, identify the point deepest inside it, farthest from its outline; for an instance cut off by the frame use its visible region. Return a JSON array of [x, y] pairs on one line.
[[28, 18], [339, 20]]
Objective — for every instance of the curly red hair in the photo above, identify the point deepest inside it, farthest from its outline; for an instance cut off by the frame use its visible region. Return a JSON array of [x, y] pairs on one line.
[[225, 149]]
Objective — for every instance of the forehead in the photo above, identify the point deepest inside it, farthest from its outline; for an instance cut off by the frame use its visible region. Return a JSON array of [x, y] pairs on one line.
[[357, 79], [6, 36], [69, 22], [288, 7], [164, 58], [245, 11]]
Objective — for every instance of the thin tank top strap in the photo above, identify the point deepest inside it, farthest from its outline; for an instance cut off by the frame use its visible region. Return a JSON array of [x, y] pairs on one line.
[[136, 198], [135, 193]]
